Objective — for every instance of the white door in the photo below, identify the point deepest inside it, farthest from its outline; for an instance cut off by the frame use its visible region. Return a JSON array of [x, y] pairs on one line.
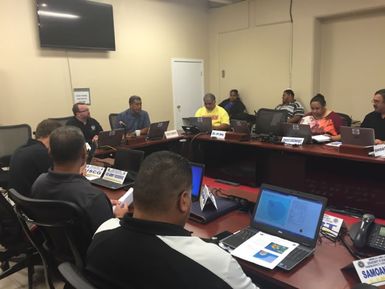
[[187, 88]]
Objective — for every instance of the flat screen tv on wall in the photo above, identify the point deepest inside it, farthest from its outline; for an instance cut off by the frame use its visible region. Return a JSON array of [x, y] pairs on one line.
[[75, 24]]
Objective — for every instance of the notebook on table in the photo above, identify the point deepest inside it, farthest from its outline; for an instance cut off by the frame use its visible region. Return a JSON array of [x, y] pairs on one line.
[[209, 213], [288, 214], [157, 129]]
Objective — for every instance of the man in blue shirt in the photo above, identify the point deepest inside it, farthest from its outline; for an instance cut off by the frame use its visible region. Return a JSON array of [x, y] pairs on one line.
[[133, 118]]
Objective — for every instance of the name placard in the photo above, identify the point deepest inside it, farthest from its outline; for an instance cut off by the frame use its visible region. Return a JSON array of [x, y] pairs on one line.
[[293, 140], [379, 150], [371, 270], [94, 171], [205, 196], [171, 134], [114, 175], [218, 134]]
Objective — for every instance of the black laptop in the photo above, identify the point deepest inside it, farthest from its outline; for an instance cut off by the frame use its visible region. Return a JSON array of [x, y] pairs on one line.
[[287, 214], [112, 138], [125, 160], [209, 212], [157, 129], [197, 124], [297, 130], [240, 126]]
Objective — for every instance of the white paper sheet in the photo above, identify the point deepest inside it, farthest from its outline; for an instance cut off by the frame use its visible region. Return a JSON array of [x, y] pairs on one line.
[[265, 250]]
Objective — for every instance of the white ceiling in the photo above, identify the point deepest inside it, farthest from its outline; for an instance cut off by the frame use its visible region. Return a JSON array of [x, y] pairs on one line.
[[220, 3]]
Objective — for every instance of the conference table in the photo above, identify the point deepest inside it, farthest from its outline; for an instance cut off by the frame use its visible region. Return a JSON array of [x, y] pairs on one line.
[[322, 270], [350, 182]]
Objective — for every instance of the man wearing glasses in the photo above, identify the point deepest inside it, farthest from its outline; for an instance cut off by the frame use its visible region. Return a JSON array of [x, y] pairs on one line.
[[82, 119]]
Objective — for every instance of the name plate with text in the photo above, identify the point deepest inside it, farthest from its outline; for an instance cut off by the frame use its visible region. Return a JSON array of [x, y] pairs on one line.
[[114, 175], [94, 172], [379, 150], [297, 141], [218, 134], [171, 134]]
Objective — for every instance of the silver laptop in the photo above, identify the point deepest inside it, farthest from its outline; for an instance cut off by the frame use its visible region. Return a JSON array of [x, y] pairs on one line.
[[359, 136], [287, 214]]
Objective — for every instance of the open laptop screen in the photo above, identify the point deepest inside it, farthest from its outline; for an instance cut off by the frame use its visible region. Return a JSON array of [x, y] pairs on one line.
[[197, 177], [294, 216]]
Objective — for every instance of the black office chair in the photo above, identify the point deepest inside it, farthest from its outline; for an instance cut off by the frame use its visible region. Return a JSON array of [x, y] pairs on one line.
[[74, 276], [112, 120], [62, 120], [346, 120], [13, 239], [63, 227], [11, 137]]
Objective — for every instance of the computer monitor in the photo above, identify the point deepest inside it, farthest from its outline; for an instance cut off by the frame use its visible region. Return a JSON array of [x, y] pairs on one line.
[[197, 178], [268, 121]]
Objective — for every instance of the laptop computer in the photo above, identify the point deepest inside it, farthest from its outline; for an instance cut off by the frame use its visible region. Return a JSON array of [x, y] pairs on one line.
[[125, 160], [240, 126], [157, 129], [359, 136], [203, 124], [297, 130], [110, 138], [209, 212], [288, 214]]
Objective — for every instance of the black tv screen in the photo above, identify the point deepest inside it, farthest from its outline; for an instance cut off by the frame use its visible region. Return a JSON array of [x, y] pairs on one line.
[[76, 24]]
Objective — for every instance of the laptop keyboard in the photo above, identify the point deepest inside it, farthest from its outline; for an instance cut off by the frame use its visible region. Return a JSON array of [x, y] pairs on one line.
[[297, 255], [237, 239]]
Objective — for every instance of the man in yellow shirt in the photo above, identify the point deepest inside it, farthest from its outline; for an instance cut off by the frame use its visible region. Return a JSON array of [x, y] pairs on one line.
[[220, 118]]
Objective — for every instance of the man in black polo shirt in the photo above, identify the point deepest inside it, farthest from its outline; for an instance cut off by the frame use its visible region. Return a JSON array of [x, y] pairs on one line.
[[376, 119], [152, 249], [31, 159], [65, 182], [82, 119]]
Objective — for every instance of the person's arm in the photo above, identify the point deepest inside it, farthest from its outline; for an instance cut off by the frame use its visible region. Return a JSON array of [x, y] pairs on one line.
[[294, 119], [97, 130], [224, 120], [378, 141], [147, 123], [222, 126]]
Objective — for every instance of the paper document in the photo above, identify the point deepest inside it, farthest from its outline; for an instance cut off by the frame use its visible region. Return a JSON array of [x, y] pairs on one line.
[[264, 249], [334, 144], [321, 138]]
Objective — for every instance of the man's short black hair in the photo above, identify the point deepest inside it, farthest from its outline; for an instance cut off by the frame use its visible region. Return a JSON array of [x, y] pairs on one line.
[[134, 98], [382, 93], [45, 127], [319, 98], [289, 92], [162, 177], [66, 144]]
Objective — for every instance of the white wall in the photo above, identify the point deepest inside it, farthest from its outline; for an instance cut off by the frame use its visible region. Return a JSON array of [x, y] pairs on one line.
[[35, 83]]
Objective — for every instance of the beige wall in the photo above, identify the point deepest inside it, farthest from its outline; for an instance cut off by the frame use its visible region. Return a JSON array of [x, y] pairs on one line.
[[298, 61], [35, 83]]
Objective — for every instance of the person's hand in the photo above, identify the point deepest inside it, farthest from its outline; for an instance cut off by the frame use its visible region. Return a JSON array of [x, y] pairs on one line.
[[95, 138], [378, 141], [82, 170], [120, 209]]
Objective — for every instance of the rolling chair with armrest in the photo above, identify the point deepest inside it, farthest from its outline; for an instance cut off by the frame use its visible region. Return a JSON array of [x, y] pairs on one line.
[[66, 235], [15, 243], [112, 120], [11, 137], [62, 120], [346, 120], [74, 276]]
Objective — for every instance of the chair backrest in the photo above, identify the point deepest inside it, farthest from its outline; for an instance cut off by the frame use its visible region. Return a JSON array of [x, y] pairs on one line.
[[10, 231], [73, 276], [112, 120], [128, 160], [346, 120], [62, 224], [62, 120], [12, 137]]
